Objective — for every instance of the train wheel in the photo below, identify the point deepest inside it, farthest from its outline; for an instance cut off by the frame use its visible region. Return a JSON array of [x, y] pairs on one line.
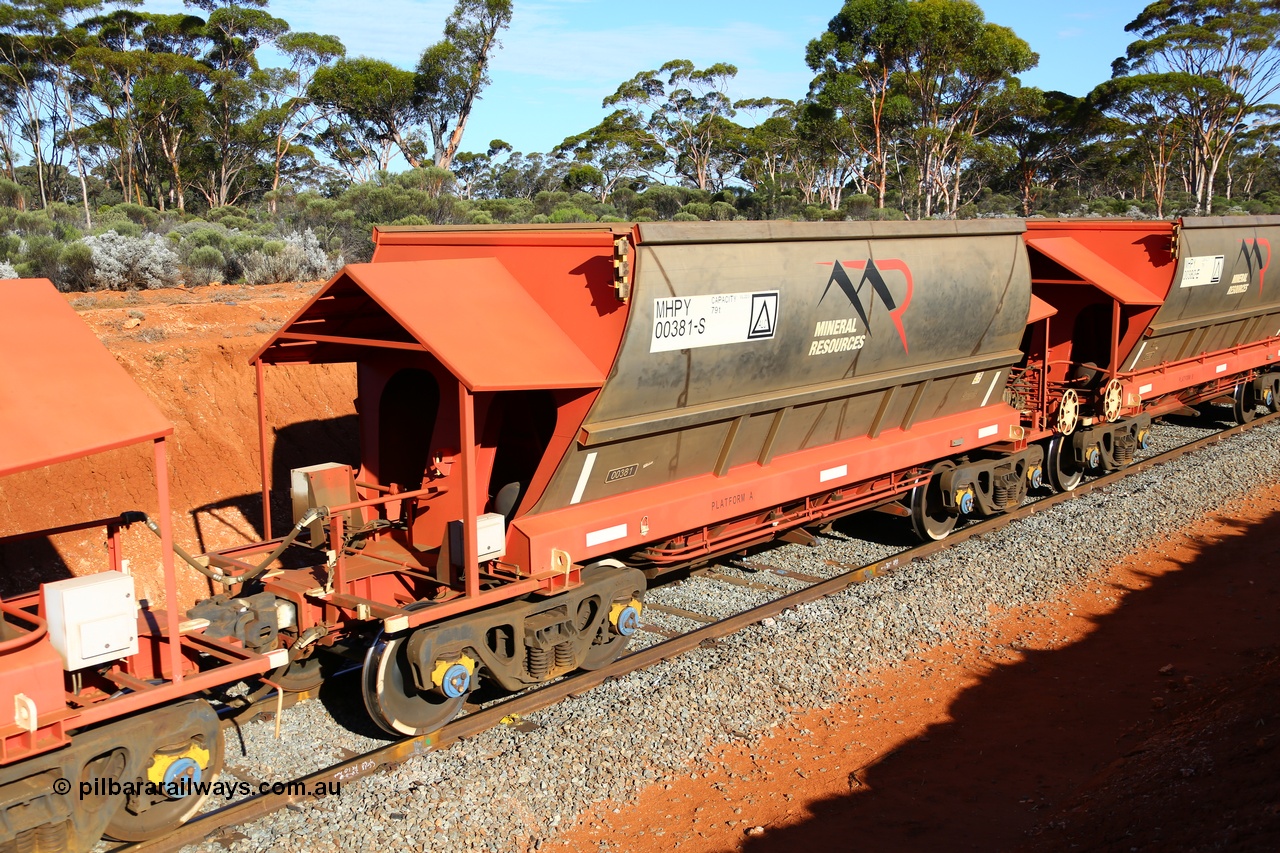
[[188, 760], [1064, 473], [1274, 402], [930, 519], [616, 629], [391, 697], [1243, 403]]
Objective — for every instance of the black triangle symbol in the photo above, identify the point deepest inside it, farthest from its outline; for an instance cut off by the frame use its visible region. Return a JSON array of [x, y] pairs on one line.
[[763, 325]]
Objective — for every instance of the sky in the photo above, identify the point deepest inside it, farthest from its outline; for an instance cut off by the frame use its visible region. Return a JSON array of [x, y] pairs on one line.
[[561, 58]]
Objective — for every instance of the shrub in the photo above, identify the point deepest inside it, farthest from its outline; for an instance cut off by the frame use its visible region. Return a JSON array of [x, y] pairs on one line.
[[147, 217], [205, 265], [39, 257], [685, 217], [546, 201], [700, 209], [122, 228], [858, 205], [665, 200], [723, 211], [12, 194], [124, 263], [298, 257], [76, 268], [7, 270], [569, 213]]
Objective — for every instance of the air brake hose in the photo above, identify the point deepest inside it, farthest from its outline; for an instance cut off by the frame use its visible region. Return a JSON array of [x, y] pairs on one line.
[[312, 515], [215, 574]]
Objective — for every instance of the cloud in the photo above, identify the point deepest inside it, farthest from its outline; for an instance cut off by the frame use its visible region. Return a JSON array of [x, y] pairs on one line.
[[1073, 32]]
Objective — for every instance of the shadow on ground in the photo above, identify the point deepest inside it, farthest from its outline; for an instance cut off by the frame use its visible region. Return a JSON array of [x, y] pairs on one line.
[[1041, 754]]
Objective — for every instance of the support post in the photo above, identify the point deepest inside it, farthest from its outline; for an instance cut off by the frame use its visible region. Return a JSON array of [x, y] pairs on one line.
[[171, 603], [1044, 377], [470, 546], [262, 452], [1115, 340]]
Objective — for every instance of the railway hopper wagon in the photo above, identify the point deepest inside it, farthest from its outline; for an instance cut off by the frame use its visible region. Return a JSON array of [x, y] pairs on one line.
[[1139, 320], [549, 415], [103, 724]]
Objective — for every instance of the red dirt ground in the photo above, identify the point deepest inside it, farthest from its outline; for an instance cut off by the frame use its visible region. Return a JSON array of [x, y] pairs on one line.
[[1139, 712]]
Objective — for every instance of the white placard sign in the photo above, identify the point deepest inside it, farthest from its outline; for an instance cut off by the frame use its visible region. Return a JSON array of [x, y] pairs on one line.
[[684, 322], [1202, 269]]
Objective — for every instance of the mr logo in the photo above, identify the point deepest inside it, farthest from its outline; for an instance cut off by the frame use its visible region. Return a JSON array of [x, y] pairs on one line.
[[873, 274], [1251, 252]]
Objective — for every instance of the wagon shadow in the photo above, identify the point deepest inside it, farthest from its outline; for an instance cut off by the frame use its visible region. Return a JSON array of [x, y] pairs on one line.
[[1022, 742], [296, 445], [26, 564]]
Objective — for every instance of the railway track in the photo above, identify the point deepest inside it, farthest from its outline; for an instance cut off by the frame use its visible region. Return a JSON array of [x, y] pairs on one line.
[[217, 821]]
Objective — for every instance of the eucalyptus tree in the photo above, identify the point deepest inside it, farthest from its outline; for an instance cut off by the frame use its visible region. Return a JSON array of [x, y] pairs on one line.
[[1219, 60], [34, 44], [1150, 109], [1042, 133], [236, 91], [859, 61], [619, 149], [292, 115], [689, 116], [960, 75], [453, 71], [932, 73], [372, 112], [774, 151]]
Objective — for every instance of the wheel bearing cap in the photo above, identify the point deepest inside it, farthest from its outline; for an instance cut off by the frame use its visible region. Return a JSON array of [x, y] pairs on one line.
[[625, 618], [179, 774], [964, 500], [453, 678], [1035, 476]]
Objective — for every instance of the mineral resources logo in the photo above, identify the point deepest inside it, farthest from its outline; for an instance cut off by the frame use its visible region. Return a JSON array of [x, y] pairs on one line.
[[844, 334], [1256, 255]]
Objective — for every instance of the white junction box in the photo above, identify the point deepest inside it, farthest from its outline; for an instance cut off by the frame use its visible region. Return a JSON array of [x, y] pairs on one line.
[[92, 619], [491, 537]]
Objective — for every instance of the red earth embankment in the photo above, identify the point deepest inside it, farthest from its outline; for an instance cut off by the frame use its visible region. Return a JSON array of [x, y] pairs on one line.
[[190, 350]]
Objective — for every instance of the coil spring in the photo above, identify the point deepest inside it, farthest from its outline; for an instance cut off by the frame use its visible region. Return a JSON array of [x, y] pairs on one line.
[[538, 663], [1002, 493], [1123, 452], [52, 836], [564, 655]]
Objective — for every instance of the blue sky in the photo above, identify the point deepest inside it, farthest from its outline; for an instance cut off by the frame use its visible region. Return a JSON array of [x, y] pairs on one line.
[[560, 58]]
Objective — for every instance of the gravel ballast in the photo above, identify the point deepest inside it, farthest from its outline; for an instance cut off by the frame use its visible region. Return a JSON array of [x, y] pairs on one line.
[[514, 788]]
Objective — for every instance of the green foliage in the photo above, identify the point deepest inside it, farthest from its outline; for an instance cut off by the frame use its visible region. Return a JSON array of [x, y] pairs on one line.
[[570, 213], [39, 257], [75, 267], [12, 194]]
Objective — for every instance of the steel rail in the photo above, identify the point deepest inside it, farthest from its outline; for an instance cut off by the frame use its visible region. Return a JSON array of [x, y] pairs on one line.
[[385, 757]]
